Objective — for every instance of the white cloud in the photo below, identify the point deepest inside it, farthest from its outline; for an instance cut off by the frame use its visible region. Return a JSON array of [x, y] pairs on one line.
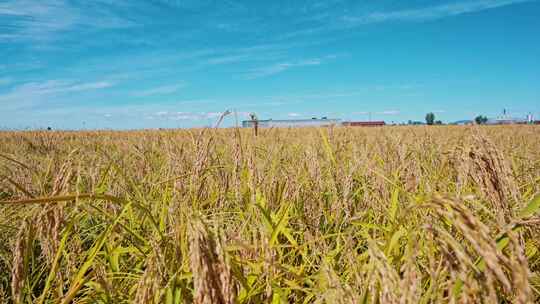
[[430, 13], [212, 114], [34, 92], [171, 115], [185, 116], [280, 67], [41, 20], [352, 15], [83, 87], [227, 59], [390, 112], [403, 87], [293, 115], [54, 87], [161, 90], [331, 95]]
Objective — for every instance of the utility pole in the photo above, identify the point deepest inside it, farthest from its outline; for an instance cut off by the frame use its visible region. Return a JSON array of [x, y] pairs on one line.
[[255, 121]]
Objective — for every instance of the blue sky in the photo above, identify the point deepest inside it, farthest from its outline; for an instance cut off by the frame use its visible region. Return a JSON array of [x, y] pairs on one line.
[[148, 64]]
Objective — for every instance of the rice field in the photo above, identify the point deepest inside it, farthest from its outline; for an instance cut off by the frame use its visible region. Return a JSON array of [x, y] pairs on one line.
[[331, 215]]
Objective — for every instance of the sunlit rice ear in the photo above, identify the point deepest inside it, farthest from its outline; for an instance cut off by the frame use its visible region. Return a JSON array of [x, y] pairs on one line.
[[212, 276]]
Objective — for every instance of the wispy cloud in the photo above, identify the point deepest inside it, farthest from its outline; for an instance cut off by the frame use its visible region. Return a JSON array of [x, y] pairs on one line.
[[33, 92], [161, 90], [226, 59], [255, 53], [58, 87], [389, 112], [280, 67], [348, 16], [294, 114], [429, 13], [358, 91], [41, 20], [175, 115], [235, 37], [193, 116]]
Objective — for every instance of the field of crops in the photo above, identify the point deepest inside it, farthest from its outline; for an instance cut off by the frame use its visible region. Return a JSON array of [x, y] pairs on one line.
[[333, 215]]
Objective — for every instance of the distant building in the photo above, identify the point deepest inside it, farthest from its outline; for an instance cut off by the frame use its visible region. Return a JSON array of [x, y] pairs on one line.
[[463, 122], [288, 123], [364, 123], [506, 121]]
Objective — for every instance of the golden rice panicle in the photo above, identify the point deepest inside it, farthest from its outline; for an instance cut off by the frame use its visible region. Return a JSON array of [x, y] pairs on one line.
[[51, 218], [487, 167], [386, 279], [63, 177], [148, 285], [49, 227], [332, 290], [20, 258], [521, 285], [410, 282], [503, 273], [346, 215], [212, 277]]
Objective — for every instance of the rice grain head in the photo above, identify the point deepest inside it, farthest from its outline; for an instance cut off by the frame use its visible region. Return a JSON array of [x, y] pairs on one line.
[[486, 165], [212, 277], [18, 271]]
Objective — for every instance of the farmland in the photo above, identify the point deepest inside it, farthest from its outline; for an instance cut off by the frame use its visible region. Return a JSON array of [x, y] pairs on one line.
[[329, 215]]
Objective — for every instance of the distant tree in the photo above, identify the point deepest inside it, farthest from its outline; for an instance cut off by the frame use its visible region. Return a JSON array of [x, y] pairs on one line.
[[480, 120], [430, 118], [438, 122]]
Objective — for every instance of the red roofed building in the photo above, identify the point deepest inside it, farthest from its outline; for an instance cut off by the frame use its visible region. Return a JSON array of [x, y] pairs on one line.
[[364, 123]]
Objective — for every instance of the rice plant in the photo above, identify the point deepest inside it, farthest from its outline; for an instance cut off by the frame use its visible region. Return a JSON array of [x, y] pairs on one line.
[[330, 215]]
